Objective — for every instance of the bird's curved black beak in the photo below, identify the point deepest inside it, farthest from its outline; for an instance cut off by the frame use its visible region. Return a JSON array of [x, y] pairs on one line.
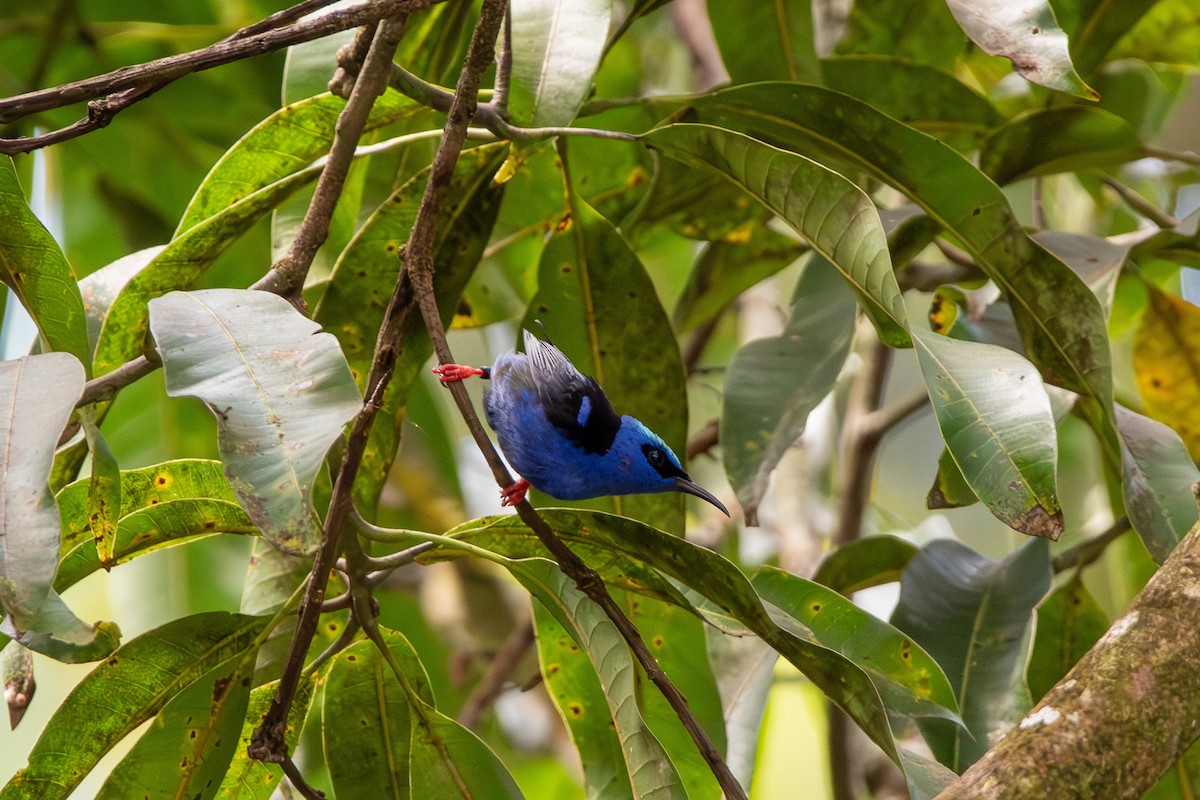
[[685, 484]]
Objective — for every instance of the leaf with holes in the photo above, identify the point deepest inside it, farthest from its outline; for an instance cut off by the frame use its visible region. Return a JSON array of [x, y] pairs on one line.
[[281, 391]]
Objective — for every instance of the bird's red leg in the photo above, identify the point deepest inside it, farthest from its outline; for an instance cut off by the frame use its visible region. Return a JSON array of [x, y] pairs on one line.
[[450, 373], [514, 494]]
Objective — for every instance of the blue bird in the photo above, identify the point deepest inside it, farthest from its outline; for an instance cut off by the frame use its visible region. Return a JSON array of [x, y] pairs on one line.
[[560, 433]]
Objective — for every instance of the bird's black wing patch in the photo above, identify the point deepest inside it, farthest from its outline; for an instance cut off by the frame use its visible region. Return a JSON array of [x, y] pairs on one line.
[[574, 403]]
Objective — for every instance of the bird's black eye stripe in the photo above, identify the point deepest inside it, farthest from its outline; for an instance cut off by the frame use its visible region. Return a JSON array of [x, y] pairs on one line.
[[658, 459]]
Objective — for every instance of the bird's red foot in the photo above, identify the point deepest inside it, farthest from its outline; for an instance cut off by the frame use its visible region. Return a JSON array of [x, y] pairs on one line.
[[515, 494], [451, 373]]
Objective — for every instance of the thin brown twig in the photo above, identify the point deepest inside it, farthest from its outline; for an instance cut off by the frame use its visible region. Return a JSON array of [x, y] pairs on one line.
[[1140, 204], [286, 276], [501, 667], [268, 742], [859, 442], [114, 91], [107, 385], [705, 439], [293, 774], [1084, 553]]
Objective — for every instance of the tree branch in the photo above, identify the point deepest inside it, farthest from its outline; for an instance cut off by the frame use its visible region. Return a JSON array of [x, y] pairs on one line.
[[1122, 716], [498, 671], [123, 87]]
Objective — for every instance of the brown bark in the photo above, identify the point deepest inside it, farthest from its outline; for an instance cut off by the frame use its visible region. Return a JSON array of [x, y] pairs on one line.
[[1122, 716]]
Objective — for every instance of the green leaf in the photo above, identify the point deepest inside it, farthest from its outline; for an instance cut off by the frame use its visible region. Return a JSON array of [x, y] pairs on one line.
[[1181, 243], [973, 616], [895, 663], [831, 213], [995, 416], [281, 391], [651, 772], [926, 778], [863, 563], [1156, 482], [601, 309], [366, 724], [918, 95], [1026, 34], [452, 762], [38, 394], [744, 668], [697, 204], [1066, 139], [54, 631], [104, 489], [353, 305], [1069, 622], [577, 694], [766, 41], [773, 384], [556, 49], [189, 746], [1059, 319], [1095, 26], [125, 691], [249, 778], [281, 145], [921, 31], [725, 269], [37, 272], [595, 536], [950, 489]]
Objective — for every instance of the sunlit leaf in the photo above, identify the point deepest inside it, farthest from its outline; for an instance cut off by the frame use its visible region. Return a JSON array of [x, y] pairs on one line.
[[1060, 321], [766, 41], [104, 489], [601, 309], [125, 691], [36, 271], [831, 213], [188, 747], [995, 417], [280, 389], [1028, 35], [1156, 482], [773, 384], [1166, 363], [1052, 140], [249, 778], [973, 615], [1069, 622], [863, 563], [556, 48], [352, 307]]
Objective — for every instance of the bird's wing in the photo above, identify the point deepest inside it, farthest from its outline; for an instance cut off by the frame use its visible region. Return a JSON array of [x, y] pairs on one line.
[[574, 403]]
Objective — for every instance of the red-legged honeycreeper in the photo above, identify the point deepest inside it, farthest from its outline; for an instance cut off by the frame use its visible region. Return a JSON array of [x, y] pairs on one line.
[[560, 433]]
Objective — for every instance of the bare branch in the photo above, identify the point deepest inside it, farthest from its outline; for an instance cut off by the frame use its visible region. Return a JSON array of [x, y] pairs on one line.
[[501, 667]]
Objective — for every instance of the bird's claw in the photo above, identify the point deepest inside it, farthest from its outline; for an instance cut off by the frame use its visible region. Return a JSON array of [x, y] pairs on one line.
[[452, 373], [515, 494]]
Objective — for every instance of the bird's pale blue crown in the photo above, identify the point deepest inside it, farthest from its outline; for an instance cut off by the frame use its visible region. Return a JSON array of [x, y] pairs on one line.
[[559, 431]]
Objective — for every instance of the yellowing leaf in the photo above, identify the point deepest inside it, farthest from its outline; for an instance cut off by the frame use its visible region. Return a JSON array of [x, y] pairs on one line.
[[1166, 361]]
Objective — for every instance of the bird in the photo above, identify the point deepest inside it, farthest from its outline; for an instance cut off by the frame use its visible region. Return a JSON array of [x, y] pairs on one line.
[[560, 433]]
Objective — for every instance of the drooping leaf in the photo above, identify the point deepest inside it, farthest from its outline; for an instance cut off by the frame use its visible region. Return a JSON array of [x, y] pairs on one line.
[[188, 747], [576, 691], [917, 94], [365, 731], [125, 691], [1069, 622], [744, 668], [54, 631], [973, 615], [995, 416], [281, 391], [353, 305], [950, 489], [767, 41], [104, 489], [773, 384], [831, 213], [38, 394], [863, 563], [1166, 363], [1026, 34], [1052, 140], [725, 269], [36, 271], [894, 662], [601, 309], [556, 48], [1060, 321], [249, 778], [1157, 475]]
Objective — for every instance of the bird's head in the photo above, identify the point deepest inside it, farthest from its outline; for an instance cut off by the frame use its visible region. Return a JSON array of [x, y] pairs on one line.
[[649, 466]]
